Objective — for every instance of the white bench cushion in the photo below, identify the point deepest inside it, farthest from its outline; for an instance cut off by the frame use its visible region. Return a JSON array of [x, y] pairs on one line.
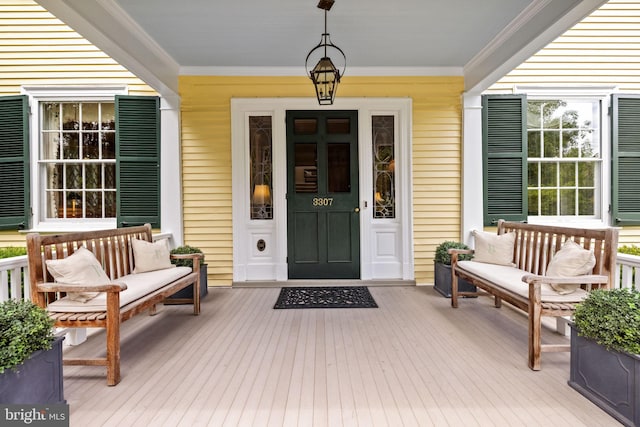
[[138, 285], [510, 278]]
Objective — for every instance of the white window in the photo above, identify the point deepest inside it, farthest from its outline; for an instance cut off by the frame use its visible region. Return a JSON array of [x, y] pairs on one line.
[[78, 159], [73, 156], [568, 154], [564, 157]]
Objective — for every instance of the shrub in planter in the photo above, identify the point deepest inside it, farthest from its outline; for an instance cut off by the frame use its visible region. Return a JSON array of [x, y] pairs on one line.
[[30, 358], [605, 352], [442, 261], [188, 292], [611, 318], [24, 329], [442, 252]]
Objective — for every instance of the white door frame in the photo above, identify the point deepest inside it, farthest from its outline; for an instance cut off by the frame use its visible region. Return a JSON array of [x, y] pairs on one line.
[[386, 245]]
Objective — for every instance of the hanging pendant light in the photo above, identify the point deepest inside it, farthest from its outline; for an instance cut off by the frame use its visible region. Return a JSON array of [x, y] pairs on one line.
[[325, 75]]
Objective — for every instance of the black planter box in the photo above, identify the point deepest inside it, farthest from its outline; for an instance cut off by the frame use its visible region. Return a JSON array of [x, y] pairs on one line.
[[38, 380], [609, 379], [443, 281], [187, 293]]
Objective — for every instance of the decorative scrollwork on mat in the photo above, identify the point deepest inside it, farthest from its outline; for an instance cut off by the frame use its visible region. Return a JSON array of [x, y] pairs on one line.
[[326, 297]]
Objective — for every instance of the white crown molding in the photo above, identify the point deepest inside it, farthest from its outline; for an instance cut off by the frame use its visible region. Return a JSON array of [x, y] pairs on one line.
[[96, 91], [508, 32], [578, 91], [300, 71], [533, 29]]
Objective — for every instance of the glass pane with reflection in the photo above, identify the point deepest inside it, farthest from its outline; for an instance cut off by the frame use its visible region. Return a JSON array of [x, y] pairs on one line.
[[306, 168], [339, 171]]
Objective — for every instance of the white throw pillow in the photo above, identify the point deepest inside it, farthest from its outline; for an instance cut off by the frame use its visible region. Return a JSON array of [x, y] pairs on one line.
[[494, 248], [149, 256], [79, 268], [570, 261]]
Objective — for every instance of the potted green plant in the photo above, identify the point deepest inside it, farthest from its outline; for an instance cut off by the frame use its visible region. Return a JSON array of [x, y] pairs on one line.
[[605, 352], [30, 355], [187, 293], [442, 267]]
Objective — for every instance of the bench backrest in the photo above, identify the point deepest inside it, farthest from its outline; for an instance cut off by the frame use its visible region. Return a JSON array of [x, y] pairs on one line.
[[111, 247], [536, 244]]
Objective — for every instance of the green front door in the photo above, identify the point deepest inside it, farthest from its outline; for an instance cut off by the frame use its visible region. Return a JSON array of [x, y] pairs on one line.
[[323, 228]]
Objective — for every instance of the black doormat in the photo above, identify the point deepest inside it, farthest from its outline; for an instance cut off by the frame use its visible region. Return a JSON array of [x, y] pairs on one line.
[[326, 297]]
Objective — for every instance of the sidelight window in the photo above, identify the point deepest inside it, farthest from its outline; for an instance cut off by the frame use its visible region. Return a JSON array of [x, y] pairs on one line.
[[384, 195], [260, 146]]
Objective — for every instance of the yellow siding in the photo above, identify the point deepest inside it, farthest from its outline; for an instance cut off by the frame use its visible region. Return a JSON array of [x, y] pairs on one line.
[[12, 238], [206, 151], [38, 49], [603, 49]]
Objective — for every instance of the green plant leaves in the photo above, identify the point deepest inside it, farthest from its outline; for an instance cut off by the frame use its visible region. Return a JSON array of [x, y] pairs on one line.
[[611, 318], [24, 329], [11, 251], [185, 250], [442, 255]]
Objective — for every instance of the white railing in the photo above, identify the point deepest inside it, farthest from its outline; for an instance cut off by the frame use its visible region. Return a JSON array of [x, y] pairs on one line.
[[14, 278], [628, 271]]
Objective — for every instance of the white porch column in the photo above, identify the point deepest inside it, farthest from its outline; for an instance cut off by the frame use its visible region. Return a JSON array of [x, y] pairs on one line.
[[171, 172], [472, 200]]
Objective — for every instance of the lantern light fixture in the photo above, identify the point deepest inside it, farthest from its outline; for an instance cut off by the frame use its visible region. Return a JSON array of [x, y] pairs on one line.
[[325, 75]]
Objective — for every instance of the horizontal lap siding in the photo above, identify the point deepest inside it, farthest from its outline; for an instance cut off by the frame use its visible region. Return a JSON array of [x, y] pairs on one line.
[[38, 49], [602, 50], [206, 151]]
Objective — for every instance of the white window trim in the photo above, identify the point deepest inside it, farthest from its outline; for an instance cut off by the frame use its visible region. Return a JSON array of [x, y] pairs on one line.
[[38, 94], [603, 94]]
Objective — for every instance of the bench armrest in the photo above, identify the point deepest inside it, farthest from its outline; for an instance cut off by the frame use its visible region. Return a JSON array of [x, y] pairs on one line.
[[460, 251], [195, 257], [68, 287], [454, 252], [592, 279], [187, 256]]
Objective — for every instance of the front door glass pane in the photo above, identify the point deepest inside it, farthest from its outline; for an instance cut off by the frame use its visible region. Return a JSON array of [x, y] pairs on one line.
[[306, 168], [305, 126], [339, 159], [338, 126]]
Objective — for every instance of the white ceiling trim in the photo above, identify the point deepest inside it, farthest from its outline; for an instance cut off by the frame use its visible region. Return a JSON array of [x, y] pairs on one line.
[[300, 71], [537, 26], [105, 24], [115, 33]]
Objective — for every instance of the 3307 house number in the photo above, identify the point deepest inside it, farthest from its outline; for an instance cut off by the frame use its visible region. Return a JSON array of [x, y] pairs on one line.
[[322, 201]]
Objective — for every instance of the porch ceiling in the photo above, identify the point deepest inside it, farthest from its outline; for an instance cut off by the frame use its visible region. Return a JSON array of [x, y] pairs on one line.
[[161, 39]]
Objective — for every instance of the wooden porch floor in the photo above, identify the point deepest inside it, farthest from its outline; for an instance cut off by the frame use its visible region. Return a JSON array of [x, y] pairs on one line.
[[413, 361]]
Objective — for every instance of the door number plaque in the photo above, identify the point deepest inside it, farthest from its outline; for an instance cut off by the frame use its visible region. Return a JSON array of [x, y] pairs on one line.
[[322, 201]]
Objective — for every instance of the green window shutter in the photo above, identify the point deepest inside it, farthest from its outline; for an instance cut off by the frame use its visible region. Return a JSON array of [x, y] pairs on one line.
[[504, 157], [625, 159], [15, 205], [138, 160]]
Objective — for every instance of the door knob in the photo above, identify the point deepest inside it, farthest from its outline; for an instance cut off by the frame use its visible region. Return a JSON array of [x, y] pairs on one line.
[[356, 210]]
